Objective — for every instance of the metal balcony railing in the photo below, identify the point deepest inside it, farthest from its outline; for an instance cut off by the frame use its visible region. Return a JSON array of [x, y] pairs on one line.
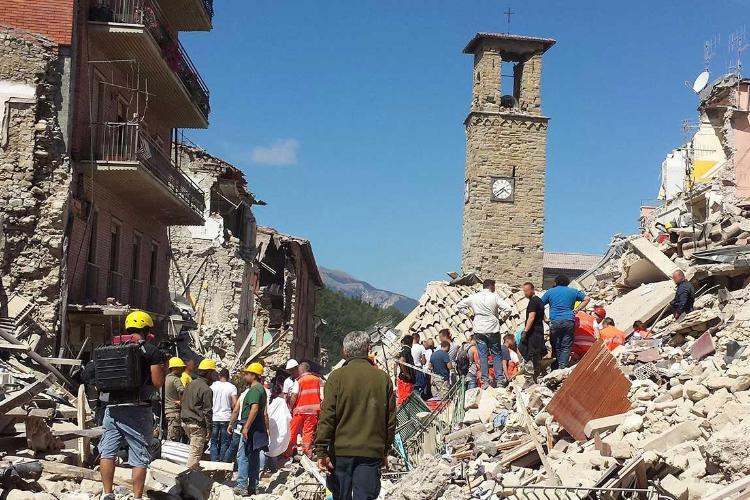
[[147, 14], [126, 142]]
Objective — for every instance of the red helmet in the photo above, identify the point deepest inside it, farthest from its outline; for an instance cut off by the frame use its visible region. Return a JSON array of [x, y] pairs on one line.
[[600, 312]]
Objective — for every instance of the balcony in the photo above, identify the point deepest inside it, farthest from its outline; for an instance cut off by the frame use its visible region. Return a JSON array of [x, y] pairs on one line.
[[188, 15], [137, 30], [130, 164]]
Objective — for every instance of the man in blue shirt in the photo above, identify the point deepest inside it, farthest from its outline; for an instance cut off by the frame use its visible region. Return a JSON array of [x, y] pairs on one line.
[[561, 300], [441, 366]]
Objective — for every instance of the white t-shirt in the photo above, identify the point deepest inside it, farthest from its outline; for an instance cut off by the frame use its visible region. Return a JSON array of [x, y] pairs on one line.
[[427, 355], [223, 392], [597, 327], [291, 386], [238, 426], [416, 352]]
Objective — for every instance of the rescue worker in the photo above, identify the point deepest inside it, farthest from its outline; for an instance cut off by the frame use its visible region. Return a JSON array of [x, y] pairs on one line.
[[611, 336], [599, 314], [129, 416], [173, 389], [254, 431], [187, 374], [196, 411], [305, 410]]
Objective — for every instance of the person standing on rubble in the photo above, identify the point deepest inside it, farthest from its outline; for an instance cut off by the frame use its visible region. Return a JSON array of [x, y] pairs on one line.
[[684, 296], [561, 299], [291, 386], [224, 398], [487, 305], [255, 426], [357, 424], [129, 420], [405, 381], [445, 335], [441, 365], [305, 410], [417, 354], [197, 411], [173, 390], [532, 336]]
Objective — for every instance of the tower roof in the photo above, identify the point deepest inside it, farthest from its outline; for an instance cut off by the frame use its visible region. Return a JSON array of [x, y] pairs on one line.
[[520, 43]]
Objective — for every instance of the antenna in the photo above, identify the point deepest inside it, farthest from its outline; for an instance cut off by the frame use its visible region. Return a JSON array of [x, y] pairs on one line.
[[709, 51], [508, 13], [737, 45]]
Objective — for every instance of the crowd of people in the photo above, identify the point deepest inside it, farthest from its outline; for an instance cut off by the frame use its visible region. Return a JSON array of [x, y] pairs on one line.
[[346, 424], [346, 421]]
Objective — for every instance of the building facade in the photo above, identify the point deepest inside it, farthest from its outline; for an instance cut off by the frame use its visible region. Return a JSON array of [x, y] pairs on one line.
[[213, 265], [503, 218], [122, 86], [288, 278]]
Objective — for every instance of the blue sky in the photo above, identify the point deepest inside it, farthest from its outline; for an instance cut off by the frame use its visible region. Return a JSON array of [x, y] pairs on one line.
[[347, 116]]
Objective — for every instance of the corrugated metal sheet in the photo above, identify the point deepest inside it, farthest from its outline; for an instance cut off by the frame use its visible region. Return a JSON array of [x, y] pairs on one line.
[[596, 388]]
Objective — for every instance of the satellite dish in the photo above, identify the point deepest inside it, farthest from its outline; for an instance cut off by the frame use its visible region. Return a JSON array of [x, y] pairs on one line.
[[700, 82]]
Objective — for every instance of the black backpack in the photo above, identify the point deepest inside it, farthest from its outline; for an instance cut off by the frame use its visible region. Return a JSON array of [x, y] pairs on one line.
[[462, 360], [119, 369]]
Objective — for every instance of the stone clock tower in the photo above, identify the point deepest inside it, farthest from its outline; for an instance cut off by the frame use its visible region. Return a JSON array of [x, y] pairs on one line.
[[506, 137]]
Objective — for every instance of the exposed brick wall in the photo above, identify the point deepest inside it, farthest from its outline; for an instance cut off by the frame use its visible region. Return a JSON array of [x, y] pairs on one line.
[[110, 208], [51, 18]]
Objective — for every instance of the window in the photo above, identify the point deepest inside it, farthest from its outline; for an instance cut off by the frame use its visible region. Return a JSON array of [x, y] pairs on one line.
[[153, 264], [135, 267], [114, 247]]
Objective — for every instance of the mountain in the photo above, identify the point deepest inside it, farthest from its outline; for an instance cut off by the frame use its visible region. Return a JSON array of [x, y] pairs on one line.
[[347, 284]]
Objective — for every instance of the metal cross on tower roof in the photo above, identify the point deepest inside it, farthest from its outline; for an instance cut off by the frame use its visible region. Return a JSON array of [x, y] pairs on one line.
[[508, 13]]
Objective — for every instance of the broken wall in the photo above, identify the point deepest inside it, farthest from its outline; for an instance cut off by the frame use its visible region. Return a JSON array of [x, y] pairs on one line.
[[34, 175], [213, 267]]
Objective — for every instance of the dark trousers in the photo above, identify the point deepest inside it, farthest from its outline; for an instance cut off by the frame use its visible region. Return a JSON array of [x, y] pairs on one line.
[[220, 440], [355, 478], [561, 332]]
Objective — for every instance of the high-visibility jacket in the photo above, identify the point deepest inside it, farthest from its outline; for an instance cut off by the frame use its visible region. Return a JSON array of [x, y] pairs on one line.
[[308, 399], [612, 337]]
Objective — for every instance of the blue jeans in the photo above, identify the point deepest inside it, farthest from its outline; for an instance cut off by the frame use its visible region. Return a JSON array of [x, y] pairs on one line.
[[248, 465], [561, 333], [486, 344], [234, 445], [220, 440]]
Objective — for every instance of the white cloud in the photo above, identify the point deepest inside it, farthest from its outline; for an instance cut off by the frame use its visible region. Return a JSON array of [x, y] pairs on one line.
[[283, 152]]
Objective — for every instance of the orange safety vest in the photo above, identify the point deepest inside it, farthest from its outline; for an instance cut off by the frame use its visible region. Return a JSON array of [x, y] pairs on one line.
[[308, 399], [612, 337]]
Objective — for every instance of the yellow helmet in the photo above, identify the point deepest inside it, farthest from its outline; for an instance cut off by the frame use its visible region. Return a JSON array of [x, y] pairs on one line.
[[138, 319], [207, 364], [176, 362], [255, 368]]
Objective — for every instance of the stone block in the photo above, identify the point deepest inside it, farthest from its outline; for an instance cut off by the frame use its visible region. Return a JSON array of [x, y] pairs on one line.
[[695, 392], [675, 487], [677, 434], [603, 424], [472, 398]]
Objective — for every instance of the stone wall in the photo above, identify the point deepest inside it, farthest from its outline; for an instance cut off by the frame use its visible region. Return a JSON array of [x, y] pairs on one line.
[[223, 273], [505, 241], [34, 177]]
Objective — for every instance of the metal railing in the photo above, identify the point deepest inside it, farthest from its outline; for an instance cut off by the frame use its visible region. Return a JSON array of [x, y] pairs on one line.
[[147, 14], [127, 142]]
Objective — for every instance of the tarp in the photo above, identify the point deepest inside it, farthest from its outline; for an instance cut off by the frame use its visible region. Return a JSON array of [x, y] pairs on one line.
[[583, 336], [279, 419]]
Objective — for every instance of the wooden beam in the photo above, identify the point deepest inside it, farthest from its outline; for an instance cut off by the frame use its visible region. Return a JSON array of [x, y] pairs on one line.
[[77, 473], [21, 414], [24, 396], [84, 448], [534, 433], [64, 361], [7, 346]]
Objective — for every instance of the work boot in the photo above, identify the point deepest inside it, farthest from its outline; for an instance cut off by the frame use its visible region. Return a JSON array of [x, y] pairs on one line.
[[241, 491], [108, 496]]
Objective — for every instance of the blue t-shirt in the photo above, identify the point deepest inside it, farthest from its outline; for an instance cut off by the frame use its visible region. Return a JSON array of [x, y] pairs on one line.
[[440, 360], [561, 300]]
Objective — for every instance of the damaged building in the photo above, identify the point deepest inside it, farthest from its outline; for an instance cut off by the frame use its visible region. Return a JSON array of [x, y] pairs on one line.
[[285, 325], [214, 274], [90, 113]]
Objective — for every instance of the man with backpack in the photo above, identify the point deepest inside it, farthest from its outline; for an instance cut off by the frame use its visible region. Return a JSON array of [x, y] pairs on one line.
[[128, 415]]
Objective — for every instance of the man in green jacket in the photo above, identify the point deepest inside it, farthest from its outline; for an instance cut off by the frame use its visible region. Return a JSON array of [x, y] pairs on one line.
[[357, 423], [196, 411]]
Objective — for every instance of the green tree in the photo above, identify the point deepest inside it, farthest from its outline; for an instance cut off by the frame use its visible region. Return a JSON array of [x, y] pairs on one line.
[[346, 314]]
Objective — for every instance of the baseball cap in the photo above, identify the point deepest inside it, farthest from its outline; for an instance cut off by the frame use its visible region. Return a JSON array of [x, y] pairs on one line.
[[292, 363]]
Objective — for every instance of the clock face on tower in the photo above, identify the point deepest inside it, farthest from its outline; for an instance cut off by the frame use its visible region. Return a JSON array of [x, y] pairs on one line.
[[502, 188]]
